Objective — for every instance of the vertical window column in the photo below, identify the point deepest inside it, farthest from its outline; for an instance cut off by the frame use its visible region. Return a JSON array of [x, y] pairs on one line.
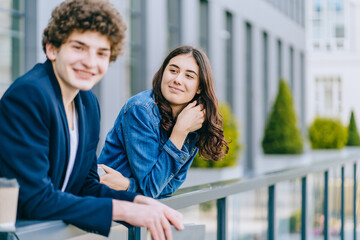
[[279, 60], [265, 71], [204, 26], [249, 164], [174, 23], [137, 46], [229, 60], [292, 81], [12, 42]]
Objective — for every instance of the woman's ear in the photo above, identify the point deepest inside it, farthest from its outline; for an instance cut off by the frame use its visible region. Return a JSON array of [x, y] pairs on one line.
[[51, 51], [198, 91]]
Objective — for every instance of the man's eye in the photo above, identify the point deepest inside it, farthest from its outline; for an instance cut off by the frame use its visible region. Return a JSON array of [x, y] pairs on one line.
[[103, 54]]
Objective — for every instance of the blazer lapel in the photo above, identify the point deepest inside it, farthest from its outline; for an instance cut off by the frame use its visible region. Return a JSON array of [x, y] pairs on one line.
[[56, 87], [81, 128]]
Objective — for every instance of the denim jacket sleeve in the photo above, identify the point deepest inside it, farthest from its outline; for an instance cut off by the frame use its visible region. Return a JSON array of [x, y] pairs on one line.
[[176, 182], [153, 164]]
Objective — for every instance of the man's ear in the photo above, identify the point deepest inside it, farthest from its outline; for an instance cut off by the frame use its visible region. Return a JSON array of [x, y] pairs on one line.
[[51, 51]]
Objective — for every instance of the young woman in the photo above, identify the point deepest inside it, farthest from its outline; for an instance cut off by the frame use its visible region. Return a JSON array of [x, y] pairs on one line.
[[158, 132]]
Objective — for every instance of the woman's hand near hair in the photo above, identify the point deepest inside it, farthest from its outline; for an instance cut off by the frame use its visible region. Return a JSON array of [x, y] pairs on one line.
[[114, 179], [190, 119]]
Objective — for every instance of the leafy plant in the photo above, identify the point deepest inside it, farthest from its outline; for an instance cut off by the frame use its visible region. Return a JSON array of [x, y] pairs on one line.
[[282, 135], [295, 221], [353, 134], [327, 134], [231, 133]]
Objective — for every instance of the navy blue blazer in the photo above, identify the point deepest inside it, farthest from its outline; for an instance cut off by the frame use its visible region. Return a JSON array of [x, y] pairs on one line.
[[34, 140]]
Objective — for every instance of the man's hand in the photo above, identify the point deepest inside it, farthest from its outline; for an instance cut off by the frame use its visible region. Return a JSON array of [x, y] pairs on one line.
[[149, 213], [114, 179]]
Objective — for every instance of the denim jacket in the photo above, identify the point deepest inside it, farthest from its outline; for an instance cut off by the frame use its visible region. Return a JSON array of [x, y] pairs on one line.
[[140, 149]]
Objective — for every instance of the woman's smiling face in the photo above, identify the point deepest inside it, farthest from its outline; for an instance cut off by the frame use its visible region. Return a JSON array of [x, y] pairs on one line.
[[180, 81]]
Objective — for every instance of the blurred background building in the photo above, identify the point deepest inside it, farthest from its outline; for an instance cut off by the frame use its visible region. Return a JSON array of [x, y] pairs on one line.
[[251, 45], [333, 59]]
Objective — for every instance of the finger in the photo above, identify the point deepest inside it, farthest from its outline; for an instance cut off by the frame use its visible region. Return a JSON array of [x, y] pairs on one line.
[[175, 218], [201, 107], [153, 232], [191, 105], [107, 169], [158, 230], [167, 228]]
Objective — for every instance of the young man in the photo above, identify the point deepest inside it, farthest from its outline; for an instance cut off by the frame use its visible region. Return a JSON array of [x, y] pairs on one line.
[[49, 128]]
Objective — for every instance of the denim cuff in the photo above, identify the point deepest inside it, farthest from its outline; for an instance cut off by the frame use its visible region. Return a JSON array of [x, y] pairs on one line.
[[132, 185], [180, 156]]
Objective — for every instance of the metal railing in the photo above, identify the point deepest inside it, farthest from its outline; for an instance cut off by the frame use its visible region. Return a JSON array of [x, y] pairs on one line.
[[221, 191]]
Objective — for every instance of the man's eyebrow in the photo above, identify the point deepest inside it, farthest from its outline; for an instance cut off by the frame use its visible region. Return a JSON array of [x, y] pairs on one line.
[[84, 44], [188, 70]]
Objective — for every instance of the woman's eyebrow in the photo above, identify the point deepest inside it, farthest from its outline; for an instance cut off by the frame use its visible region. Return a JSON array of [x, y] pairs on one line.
[[188, 70]]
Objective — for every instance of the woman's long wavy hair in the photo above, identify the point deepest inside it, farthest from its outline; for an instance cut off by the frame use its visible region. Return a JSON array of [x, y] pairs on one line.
[[212, 144]]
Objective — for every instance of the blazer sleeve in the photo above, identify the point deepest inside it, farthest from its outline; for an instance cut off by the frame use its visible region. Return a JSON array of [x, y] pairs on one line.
[[26, 124]]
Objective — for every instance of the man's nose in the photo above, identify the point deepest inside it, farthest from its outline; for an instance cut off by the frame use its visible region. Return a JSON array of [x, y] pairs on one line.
[[90, 59]]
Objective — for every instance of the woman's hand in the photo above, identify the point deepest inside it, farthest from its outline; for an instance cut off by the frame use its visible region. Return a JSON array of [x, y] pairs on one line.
[[114, 179], [190, 119]]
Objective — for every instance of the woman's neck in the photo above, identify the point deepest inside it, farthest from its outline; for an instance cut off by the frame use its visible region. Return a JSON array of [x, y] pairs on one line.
[[176, 110]]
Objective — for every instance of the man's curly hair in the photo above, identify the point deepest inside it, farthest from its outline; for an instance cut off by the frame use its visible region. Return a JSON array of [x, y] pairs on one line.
[[86, 15]]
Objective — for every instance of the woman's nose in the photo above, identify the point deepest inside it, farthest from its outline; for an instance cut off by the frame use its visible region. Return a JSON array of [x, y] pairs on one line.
[[178, 79]]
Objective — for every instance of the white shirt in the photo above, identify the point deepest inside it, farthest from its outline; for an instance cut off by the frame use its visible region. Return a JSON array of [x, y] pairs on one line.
[[74, 142]]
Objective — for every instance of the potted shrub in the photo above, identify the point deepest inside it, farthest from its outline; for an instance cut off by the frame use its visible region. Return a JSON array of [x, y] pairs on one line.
[[327, 133], [353, 134], [282, 136], [205, 171], [231, 134]]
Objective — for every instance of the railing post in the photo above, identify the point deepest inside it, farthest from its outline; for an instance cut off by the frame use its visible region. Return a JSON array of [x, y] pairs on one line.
[[326, 205], [354, 200], [136, 233], [271, 213], [221, 218], [303, 207], [342, 209]]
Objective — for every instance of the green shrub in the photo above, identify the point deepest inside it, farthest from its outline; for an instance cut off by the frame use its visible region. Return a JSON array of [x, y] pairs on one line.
[[327, 134], [295, 221], [282, 135], [353, 134], [231, 133]]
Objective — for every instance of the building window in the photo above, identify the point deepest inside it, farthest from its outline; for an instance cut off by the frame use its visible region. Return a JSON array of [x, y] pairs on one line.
[[204, 25], [137, 46], [229, 60], [279, 59], [318, 5], [174, 23], [12, 41], [265, 74], [292, 81], [328, 96], [329, 26]]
